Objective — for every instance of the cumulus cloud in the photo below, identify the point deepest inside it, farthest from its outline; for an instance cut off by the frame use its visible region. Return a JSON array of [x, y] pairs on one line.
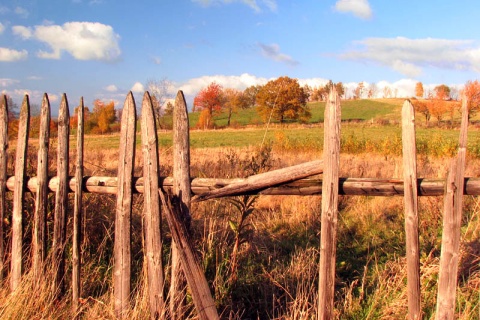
[[111, 88], [193, 86], [254, 4], [359, 8], [408, 56], [83, 40], [272, 51], [10, 55], [138, 88]]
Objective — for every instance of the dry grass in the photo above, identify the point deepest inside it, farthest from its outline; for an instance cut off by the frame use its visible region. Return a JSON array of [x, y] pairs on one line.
[[276, 265]]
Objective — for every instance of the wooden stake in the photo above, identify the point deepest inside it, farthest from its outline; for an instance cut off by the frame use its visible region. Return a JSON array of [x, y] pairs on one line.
[[61, 200], [452, 220], [201, 295], [122, 246], [328, 241], [18, 195], [411, 210], [77, 212], [151, 211], [3, 174], [39, 242]]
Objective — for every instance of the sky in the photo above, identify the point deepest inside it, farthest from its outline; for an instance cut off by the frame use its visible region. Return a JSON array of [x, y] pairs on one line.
[[102, 49]]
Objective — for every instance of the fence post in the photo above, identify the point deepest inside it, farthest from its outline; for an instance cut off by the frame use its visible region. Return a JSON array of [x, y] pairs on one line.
[[40, 227], [61, 199], [411, 210], [123, 214], [151, 211], [3, 173], [328, 241], [18, 195], [77, 211], [452, 220], [181, 189]]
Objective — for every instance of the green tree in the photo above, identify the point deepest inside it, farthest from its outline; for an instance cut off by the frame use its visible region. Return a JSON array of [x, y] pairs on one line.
[[283, 99]]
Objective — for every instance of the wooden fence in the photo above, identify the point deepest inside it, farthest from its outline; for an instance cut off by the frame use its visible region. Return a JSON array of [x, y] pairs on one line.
[[174, 195]]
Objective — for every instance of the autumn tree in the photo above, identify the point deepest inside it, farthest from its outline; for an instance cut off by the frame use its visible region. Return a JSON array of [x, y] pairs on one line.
[[209, 101], [422, 108], [250, 95], [419, 90], [359, 90], [372, 91], [233, 100], [442, 92], [472, 94], [102, 117], [283, 99]]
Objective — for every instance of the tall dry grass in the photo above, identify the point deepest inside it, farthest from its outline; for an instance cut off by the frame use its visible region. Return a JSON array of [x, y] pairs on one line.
[[261, 259]]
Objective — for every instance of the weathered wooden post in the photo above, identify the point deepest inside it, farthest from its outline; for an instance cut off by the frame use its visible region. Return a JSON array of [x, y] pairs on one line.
[[3, 173], [77, 211], [452, 220], [151, 211], [18, 195], [197, 282], [411, 210], [123, 214], [39, 241], [61, 199], [182, 190], [328, 241]]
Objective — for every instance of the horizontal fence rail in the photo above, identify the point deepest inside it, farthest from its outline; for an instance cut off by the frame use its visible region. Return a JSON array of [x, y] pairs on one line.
[[302, 187]]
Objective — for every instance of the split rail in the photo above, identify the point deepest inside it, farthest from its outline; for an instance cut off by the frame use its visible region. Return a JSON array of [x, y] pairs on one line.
[[173, 196]]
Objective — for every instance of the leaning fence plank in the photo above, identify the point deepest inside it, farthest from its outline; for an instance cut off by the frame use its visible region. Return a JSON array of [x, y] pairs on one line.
[[77, 212], [328, 241], [18, 195], [122, 246], [265, 180], [411, 210], [200, 291], [151, 211], [39, 242], [452, 218], [3, 173], [61, 200], [181, 189]]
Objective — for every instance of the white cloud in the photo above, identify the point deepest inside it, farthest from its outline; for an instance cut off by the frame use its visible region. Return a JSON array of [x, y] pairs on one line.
[[10, 55], [193, 86], [254, 4], [83, 40], [6, 82], [2, 28], [34, 78], [22, 12], [408, 56], [138, 88], [359, 8], [111, 88], [24, 32], [272, 51]]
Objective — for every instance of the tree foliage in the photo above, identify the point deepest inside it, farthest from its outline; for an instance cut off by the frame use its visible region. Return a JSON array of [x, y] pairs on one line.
[[233, 100], [209, 98], [283, 99], [472, 94], [442, 92], [419, 90]]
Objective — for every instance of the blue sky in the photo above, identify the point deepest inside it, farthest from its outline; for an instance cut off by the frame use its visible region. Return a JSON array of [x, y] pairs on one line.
[[104, 48]]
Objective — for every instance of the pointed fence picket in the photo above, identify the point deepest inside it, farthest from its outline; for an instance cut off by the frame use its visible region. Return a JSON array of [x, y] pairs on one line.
[[174, 195]]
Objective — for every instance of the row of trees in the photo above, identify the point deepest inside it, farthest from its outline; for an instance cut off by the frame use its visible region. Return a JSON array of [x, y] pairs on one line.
[[442, 105]]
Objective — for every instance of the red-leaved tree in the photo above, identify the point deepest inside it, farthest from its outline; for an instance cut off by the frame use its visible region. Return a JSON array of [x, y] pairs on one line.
[[209, 101]]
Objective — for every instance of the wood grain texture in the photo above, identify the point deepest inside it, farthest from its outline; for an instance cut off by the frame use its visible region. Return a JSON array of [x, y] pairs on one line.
[[3, 174], [328, 238], [411, 210], [151, 211], [18, 195], [123, 214]]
